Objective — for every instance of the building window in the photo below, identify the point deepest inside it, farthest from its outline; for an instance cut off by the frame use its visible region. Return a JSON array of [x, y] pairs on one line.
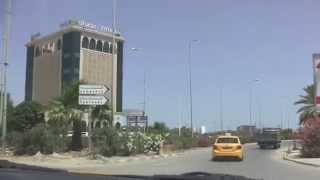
[[111, 47], [92, 44], [106, 47], [59, 44], [37, 53], [85, 42], [99, 46]]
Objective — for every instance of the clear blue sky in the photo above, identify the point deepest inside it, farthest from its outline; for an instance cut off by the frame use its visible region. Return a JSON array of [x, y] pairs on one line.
[[239, 41]]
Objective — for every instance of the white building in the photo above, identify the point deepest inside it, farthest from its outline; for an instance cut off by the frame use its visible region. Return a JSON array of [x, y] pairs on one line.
[[203, 129]]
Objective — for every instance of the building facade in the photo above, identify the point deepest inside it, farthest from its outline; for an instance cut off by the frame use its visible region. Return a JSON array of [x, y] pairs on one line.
[[249, 130], [79, 51]]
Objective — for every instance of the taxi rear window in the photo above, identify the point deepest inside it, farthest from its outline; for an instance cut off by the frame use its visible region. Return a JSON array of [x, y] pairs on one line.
[[227, 140]]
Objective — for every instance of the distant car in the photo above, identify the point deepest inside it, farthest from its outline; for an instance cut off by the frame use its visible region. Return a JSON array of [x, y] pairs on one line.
[[227, 146]]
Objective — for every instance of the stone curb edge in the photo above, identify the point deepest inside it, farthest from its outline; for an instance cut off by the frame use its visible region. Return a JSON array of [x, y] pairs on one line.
[[285, 157]]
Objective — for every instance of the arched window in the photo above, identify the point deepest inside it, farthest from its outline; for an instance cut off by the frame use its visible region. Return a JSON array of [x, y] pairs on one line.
[[92, 44], [118, 125], [37, 53], [104, 124], [106, 47], [59, 44], [99, 45], [85, 42], [98, 124]]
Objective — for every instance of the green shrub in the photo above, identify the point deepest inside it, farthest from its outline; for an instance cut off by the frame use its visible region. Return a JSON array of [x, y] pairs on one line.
[[184, 141], [105, 141], [203, 141], [37, 139], [111, 141]]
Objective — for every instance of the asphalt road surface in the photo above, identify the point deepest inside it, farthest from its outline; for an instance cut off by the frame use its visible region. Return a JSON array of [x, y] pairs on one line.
[[265, 164]]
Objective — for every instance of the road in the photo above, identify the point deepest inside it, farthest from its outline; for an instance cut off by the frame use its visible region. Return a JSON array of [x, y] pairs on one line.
[[265, 164]]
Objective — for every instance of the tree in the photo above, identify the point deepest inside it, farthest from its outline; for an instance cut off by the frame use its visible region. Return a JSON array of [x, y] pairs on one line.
[[65, 110], [102, 113], [25, 116], [159, 128], [308, 110]]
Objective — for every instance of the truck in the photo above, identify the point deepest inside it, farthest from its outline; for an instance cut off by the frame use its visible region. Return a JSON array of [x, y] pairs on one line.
[[269, 137]]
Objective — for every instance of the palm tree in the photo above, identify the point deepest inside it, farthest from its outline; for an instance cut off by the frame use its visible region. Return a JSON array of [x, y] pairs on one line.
[[101, 113], [66, 110], [308, 110]]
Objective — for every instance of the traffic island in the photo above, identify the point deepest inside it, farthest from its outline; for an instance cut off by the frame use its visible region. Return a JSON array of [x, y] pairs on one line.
[[294, 156]]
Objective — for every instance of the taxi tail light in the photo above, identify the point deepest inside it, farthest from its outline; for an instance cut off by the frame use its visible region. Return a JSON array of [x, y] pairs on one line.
[[239, 147], [215, 147]]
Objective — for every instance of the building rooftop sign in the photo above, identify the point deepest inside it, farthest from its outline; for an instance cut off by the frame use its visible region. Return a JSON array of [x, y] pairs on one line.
[[87, 25]]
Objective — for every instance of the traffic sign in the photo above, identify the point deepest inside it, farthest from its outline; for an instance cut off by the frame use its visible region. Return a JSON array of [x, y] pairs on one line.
[[93, 94], [93, 89], [92, 100]]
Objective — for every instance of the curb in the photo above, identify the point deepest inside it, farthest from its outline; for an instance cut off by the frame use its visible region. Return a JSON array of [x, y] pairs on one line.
[[285, 157]]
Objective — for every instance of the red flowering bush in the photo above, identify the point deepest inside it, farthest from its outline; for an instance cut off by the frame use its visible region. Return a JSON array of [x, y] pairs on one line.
[[310, 136]]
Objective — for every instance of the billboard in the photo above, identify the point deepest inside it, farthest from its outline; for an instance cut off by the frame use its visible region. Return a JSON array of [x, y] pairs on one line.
[[141, 121], [316, 72]]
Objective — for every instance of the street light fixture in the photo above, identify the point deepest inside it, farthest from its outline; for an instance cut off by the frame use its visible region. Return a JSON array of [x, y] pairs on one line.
[[190, 82]]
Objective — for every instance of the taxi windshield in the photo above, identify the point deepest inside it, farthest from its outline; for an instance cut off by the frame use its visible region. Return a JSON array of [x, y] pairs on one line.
[[227, 140]]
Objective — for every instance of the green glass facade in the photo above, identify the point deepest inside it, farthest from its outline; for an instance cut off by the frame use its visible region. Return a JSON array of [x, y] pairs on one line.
[[29, 74], [70, 58]]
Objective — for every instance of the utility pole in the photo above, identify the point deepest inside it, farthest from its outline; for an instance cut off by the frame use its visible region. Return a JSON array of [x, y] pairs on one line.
[[144, 81], [5, 64], [250, 99], [221, 107], [1, 92], [114, 6], [190, 84]]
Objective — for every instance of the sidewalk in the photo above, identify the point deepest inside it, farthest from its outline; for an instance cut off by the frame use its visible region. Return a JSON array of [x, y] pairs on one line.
[[67, 160], [294, 156]]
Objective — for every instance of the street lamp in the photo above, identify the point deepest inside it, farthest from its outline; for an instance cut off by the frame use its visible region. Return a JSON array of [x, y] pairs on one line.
[[5, 61], [190, 82], [221, 107], [144, 82], [250, 98]]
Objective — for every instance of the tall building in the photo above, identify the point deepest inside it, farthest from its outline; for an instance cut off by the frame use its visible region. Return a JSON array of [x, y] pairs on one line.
[[247, 129], [79, 51]]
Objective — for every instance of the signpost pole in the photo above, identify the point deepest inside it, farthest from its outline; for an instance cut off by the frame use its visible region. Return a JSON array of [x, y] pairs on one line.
[[90, 130]]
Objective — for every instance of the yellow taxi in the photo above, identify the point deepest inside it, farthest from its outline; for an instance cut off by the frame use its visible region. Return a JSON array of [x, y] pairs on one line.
[[227, 146]]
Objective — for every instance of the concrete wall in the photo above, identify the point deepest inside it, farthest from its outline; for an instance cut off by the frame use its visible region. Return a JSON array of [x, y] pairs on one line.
[[46, 74]]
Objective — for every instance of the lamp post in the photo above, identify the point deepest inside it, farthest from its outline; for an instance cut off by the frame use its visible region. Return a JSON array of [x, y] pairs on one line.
[[250, 98], [221, 107], [144, 81], [3, 82], [190, 82]]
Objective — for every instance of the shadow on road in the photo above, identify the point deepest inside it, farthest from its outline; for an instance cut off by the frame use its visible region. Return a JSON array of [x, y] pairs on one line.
[[226, 159]]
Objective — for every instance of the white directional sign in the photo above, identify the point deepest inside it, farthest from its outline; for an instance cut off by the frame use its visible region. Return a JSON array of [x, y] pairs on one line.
[[93, 94], [93, 89], [92, 100]]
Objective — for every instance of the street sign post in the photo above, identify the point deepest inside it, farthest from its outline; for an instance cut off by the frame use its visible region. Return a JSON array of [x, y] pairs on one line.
[[93, 95]]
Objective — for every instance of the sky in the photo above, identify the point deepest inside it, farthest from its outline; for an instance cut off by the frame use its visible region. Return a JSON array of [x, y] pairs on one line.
[[239, 41]]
